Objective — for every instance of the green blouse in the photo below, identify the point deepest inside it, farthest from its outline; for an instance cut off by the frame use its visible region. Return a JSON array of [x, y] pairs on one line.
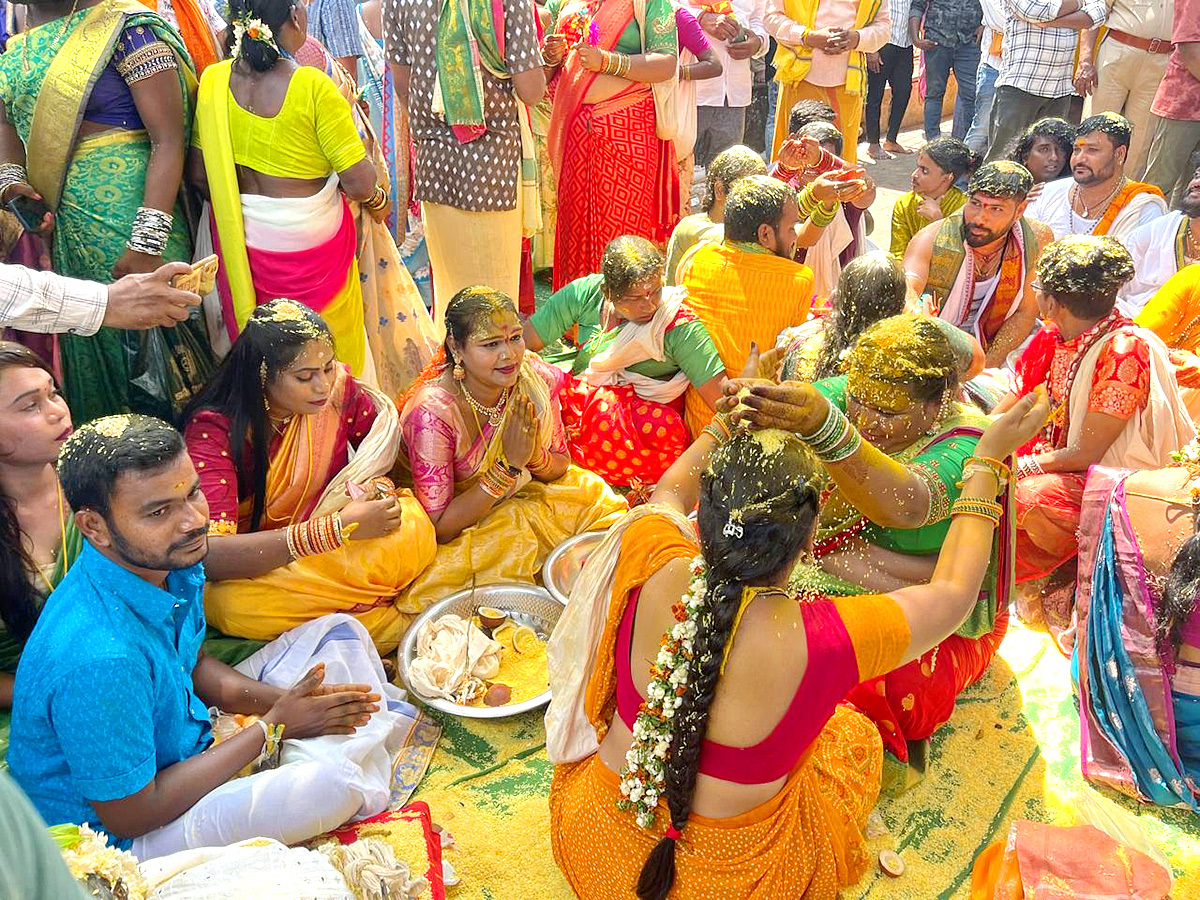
[[687, 346], [942, 461], [660, 22]]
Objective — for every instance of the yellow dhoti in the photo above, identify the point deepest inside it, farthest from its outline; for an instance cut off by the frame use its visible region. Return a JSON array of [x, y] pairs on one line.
[[847, 106]]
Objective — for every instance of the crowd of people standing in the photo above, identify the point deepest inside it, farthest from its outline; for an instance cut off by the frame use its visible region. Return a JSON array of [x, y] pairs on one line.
[[238, 495]]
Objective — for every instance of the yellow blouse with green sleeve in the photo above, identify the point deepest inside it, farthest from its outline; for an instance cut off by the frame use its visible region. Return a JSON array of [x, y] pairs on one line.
[[312, 135]]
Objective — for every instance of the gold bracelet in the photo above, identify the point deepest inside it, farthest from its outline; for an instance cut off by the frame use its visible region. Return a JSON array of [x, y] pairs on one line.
[[978, 507], [377, 200], [289, 536], [999, 466], [543, 461]]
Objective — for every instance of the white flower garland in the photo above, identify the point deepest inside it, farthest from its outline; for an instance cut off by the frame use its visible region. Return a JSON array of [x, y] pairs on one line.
[[644, 772], [256, 30]]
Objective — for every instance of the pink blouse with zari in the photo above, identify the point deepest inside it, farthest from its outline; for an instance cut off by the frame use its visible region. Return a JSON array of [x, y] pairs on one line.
[[440, 450]]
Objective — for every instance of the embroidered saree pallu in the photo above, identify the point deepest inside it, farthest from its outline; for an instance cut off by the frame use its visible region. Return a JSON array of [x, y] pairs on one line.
[[94, 185], [1138, 735]]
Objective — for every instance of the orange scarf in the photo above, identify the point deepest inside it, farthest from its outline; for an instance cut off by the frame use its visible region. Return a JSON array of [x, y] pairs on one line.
[[649, 544], [1012, 277], [574, 81], [1127, 193], [195, 31]]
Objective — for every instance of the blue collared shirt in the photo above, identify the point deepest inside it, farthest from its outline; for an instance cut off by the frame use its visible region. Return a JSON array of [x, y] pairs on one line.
[[104, 696]]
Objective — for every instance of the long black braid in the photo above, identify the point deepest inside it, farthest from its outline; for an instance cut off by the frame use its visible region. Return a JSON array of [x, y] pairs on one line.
[[764, 484]]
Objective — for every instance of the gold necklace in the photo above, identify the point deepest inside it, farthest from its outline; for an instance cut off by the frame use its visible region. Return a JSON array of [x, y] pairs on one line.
[[62, 539], [1191, 249], [58, 41], [493, 414]]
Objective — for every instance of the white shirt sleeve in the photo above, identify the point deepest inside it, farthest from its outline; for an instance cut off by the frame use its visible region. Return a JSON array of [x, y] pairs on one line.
[[49, 303]]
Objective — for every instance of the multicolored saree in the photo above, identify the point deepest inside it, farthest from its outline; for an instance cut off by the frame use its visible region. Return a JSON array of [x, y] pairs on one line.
[[401, 337], [94, 185], [297, 247], [441, 460], [307, 477], [615, 176], [1137, 734]]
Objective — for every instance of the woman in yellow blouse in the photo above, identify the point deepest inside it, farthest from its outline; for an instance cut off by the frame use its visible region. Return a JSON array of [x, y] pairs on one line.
[[281, 156], [940, 163]]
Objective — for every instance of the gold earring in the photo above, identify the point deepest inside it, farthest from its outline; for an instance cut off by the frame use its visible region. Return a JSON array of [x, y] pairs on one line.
[[459, 372]]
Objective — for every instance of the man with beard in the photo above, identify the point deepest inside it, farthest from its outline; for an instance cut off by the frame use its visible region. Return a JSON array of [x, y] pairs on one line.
[[111, 721], [748, 288], [1098, 199], [975, 267], [1163, 246]]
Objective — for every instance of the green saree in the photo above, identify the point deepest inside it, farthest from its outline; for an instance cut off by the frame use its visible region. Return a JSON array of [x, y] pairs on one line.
[[94, 185]]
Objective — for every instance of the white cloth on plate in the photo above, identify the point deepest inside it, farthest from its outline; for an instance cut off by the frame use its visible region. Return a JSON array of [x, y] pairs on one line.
[[450, 652]]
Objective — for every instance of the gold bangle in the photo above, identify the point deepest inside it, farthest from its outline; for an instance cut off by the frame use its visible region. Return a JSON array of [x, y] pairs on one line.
[[978, 507]]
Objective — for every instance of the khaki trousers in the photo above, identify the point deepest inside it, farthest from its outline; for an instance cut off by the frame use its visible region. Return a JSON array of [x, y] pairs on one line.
[[1127, 79]]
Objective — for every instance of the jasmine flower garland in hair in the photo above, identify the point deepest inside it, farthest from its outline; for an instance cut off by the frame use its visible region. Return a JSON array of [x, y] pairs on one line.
[[253, 28], [644, 772]]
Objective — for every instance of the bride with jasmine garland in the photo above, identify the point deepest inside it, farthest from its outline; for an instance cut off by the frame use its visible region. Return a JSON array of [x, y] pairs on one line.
[[728, 767]]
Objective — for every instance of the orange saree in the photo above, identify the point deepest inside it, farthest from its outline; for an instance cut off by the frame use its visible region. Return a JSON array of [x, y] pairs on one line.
[[805, 842]]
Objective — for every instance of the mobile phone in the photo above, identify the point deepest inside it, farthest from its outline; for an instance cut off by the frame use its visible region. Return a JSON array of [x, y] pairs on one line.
[[29, 212]]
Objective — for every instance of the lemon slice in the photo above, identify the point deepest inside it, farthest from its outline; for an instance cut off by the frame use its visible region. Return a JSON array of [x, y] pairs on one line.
[[503, 633], [891, 863], [525, 640]]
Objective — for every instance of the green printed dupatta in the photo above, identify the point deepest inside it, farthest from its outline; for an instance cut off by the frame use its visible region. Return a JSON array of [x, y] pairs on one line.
[[470, 38], [94, 185], [470, 35]]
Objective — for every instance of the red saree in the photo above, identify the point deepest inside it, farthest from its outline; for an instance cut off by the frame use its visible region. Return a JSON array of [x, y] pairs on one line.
[[615, 176]]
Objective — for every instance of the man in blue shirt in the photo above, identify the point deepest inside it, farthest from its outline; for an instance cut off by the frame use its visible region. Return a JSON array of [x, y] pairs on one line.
[[110, 714]]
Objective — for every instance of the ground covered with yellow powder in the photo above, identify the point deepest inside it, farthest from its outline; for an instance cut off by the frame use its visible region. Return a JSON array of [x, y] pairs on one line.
[[1010, 751], [523, 665]]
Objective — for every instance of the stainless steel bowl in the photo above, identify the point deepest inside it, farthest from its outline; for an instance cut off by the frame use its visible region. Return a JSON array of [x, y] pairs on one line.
[[566, 561], [526, 604]]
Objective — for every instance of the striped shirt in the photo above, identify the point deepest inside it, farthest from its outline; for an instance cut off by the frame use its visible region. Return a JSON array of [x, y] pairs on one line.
[[1041, 61]]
